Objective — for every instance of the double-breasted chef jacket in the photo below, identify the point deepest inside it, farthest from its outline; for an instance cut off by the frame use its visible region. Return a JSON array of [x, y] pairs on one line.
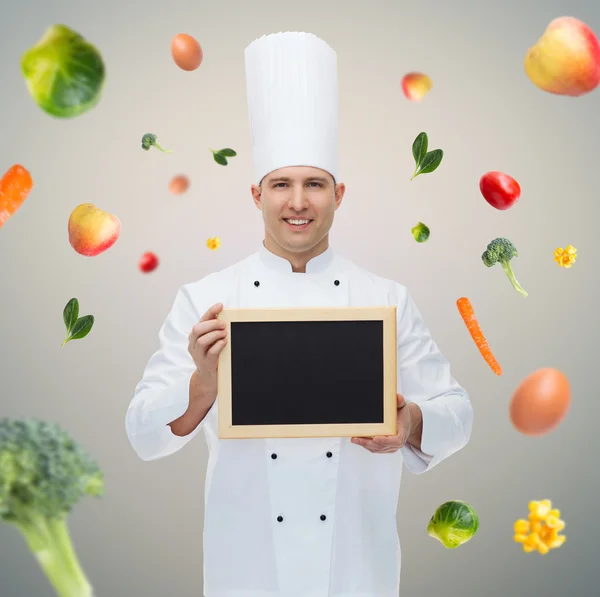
[[307, 517]]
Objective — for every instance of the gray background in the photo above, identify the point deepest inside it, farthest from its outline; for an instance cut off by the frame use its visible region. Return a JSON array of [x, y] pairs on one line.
[[144, 537]]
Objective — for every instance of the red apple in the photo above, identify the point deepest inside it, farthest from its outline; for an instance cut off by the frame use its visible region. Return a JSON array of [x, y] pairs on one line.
[[148, 262], [499, 190]]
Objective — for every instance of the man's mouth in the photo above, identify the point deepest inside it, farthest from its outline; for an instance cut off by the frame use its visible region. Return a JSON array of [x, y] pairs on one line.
[[297, 222]]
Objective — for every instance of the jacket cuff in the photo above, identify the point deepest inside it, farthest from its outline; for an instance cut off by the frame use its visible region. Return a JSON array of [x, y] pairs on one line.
[[443, 433], [170, 404]]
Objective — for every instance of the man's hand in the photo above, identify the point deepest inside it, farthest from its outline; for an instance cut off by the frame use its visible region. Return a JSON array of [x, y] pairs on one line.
[[410, 429]]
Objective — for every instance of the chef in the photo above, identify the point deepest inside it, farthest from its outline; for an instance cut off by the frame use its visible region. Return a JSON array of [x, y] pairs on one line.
[[309, 517]]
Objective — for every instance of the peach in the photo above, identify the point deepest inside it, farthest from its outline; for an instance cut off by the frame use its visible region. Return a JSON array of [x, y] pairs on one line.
[[415, 86], [566, 58], [91, 230]]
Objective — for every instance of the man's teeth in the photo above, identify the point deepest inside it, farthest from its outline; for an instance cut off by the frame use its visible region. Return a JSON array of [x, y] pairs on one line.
[[298, 222]]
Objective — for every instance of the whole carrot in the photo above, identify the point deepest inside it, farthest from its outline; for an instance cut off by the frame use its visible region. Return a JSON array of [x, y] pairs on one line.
[[14, 188], [468, 314]]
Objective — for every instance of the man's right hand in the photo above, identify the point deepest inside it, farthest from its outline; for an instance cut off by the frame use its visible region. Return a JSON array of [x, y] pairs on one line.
[[206, 341]]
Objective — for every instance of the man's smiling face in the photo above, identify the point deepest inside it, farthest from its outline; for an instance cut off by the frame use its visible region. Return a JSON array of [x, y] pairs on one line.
[[298, 205]]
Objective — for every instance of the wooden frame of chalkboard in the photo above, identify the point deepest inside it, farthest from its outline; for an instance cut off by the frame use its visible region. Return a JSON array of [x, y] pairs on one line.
[[308, 372]]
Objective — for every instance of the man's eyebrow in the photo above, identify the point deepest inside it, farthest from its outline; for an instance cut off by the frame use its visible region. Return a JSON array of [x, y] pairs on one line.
[[309, 178]]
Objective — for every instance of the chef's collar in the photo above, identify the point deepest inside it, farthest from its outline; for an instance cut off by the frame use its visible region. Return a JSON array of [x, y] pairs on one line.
[[316, 265]]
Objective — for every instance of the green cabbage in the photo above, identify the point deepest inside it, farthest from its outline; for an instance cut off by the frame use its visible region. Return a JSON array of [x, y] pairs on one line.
[[453, 523], [64, 73]]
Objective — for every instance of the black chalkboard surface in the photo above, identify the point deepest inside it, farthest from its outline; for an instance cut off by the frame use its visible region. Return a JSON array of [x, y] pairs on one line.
[[309, 372]]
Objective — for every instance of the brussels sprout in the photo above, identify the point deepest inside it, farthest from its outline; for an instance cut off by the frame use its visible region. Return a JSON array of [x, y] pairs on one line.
[[63, 72], [420, 232], [453, 523]]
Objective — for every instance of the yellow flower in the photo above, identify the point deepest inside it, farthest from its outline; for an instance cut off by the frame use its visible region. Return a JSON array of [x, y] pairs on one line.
[[565, 257], [540, 532], [213, 243]]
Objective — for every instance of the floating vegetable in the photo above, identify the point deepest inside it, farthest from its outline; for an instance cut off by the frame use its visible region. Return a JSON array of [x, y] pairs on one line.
[[565, 257], [453, 523], [213, 243], [541, 531], [502, 250], [77, 327], [44, 473], [468, 315], [148, 262], [15, 186], [420, 232], [149, 140], [499, 190], [186, 52], [222, 154], [64, 73], [425, 161]]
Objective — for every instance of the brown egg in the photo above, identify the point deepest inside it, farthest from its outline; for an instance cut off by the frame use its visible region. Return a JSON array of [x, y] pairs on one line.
[[186, 52], [179, 184], [540, 402]]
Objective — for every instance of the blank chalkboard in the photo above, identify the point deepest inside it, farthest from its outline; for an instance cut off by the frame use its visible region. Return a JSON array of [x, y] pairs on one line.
[[309, 372]]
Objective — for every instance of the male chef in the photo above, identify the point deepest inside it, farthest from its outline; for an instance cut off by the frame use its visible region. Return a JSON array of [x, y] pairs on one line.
[[293, 517]]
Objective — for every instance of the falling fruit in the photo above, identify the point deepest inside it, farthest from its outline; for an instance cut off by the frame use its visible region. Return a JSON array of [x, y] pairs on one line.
[[179, 184], [92, 230], [499, 190], [566, 58], [213, 243], [416, 86], [148, 262]]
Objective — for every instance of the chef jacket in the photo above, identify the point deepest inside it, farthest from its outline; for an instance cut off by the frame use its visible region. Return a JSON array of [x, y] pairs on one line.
[[299, 517]]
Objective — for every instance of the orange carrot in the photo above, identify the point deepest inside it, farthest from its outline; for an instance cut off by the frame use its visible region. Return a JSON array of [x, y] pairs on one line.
[[14, 188], [468, 314]]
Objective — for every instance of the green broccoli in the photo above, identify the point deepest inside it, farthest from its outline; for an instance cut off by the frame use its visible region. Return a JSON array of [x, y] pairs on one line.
[[149, 140], [43, 474], [501, 251]]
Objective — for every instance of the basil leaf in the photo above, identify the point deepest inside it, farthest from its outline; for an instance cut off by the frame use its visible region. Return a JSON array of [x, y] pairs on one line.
[[81, 328], [419, 147], [230, 153], [70, 313], [431, 161], [220, 159]]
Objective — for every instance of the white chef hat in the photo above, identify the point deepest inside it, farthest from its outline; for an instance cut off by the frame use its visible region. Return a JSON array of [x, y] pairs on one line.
[[291, 84]]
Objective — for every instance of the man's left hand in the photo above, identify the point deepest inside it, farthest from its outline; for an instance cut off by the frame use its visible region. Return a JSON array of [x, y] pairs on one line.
[[410, 424]]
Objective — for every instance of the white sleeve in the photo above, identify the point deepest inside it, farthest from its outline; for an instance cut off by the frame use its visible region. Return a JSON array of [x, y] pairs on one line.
[[162, 395], [425, 378]]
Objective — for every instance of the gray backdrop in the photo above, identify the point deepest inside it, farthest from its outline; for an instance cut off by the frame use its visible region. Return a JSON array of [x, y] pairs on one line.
[[145, 536]]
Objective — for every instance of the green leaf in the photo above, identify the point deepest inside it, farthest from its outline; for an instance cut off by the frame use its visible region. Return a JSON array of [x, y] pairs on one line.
[[230, 153], [430, 162], [81, 329], [220, 159], [70, 313], [419, 147]]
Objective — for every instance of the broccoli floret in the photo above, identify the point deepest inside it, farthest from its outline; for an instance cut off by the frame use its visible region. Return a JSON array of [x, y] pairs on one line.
[[43, 474], [502, 250], [149, 140]]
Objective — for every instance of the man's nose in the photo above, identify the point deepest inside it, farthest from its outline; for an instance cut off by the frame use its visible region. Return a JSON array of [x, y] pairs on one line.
[[298, 200]]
